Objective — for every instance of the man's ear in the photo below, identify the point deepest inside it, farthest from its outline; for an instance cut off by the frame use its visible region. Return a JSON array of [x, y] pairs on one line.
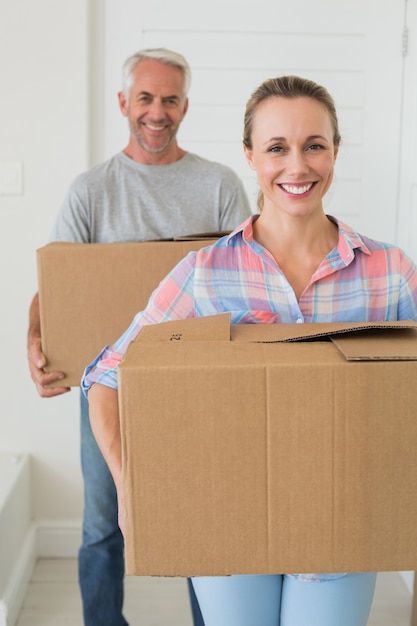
[[249, 157], [122, 103], [185, 108]]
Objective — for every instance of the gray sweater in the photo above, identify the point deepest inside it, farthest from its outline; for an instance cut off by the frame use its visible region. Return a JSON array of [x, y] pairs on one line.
[[122, 200]]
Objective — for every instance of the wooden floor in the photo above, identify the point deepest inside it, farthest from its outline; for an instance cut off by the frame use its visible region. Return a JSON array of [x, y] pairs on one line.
[[53, 599]]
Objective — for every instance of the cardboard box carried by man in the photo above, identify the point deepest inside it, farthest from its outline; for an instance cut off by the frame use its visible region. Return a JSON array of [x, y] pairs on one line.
[[89, 294]]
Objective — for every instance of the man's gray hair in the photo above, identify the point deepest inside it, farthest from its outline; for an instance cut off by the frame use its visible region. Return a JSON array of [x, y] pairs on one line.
[[163, 55]]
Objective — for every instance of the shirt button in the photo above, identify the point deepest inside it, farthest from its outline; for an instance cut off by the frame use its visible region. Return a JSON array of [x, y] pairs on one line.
[[299, 320]]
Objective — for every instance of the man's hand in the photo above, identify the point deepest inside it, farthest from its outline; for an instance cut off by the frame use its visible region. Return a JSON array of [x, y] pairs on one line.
[[37, 360]]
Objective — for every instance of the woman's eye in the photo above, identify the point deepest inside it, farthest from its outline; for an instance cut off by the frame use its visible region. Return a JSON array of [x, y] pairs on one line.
[[315, 146], [275, 149]]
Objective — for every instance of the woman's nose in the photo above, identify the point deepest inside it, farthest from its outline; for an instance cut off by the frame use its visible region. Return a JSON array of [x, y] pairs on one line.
[[297, 162]]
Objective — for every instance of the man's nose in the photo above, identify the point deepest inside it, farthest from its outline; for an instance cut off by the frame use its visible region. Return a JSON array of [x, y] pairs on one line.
[[157, 109]]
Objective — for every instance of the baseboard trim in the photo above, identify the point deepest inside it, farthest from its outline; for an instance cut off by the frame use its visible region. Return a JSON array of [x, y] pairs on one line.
[[58, 539]]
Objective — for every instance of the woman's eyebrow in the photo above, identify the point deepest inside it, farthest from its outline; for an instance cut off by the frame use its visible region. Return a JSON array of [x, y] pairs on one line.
[[312, 137], [274, 139], [309, 138]]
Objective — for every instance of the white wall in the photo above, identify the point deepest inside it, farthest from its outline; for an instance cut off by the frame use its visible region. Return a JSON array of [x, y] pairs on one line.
[[407, 195], [43, 126], [46, 124]]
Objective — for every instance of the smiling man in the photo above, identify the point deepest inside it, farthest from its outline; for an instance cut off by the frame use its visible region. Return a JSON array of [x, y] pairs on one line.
[[153, 189], [154, 101]]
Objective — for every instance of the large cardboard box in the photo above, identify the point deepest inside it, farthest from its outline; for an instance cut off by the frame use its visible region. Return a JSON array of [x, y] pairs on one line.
[[247, 452], [89, 294]]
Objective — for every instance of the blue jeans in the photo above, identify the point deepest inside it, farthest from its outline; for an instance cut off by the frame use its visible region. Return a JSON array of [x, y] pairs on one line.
[[101, 558], [285, 601]]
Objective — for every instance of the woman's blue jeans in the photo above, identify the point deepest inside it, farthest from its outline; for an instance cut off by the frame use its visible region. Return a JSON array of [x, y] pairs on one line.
[[275, 600], [101, 558]]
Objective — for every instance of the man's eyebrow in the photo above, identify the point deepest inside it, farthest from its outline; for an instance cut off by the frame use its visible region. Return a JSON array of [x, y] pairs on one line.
[[151, 95], [144, 93]]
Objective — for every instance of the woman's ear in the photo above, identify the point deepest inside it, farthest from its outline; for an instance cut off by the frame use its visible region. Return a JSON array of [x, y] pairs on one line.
[[249, 157]]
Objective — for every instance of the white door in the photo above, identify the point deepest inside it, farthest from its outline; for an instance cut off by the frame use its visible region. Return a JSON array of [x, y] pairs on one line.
[[353, 47]]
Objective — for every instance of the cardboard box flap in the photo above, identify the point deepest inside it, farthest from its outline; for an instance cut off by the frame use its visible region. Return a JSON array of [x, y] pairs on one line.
[[210, 328], [384, 345], [209, 237], [203, 236], [359, 341], [271, 333]]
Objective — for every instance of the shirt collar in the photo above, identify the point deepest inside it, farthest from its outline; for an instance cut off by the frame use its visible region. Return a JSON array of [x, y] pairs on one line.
[[349, 240], [244, 230]]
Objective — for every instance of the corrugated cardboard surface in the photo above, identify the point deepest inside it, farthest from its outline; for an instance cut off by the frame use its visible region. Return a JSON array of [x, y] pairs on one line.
[[252, 457], [89, 294]]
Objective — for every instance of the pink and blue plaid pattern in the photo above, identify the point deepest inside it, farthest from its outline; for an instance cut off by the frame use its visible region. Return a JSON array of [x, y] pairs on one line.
[[360, 280]]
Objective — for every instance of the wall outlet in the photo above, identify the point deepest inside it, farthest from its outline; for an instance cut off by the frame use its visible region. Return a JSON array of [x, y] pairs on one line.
[[11, 178]]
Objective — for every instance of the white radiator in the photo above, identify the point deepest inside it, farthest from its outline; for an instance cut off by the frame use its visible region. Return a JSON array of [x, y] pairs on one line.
[[17, 538]]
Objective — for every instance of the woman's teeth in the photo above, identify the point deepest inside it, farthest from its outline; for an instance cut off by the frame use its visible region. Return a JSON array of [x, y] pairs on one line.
[[297, 190]]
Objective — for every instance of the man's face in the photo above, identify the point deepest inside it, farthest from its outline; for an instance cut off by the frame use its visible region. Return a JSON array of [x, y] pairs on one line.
[[156, 105]]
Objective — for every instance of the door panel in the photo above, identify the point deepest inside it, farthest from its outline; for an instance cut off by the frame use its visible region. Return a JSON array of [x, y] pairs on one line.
[[352, 47]]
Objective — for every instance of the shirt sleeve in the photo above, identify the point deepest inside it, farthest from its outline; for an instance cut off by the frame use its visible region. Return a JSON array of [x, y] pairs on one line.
[[172, 300], [407, 307], [72, 222]]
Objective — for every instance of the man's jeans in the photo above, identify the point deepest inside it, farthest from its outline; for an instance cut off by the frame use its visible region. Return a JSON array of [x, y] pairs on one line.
[[101, 560]]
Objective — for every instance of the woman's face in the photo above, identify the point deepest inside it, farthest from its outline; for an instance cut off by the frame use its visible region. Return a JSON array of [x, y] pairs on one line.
[[292, 153]]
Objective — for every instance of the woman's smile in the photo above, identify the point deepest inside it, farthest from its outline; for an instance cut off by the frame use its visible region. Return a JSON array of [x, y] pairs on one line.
[[293, 154], [296, 189]]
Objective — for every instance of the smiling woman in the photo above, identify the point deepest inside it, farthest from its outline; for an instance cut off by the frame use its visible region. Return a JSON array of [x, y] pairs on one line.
[[291, 263], [299, 162], [291, 139], [293, 92]]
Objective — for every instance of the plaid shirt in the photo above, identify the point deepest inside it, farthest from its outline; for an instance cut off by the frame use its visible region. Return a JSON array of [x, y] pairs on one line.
[[359, 280]]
